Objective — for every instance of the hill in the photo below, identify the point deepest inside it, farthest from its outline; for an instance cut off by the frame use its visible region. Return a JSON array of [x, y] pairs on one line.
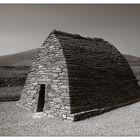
[[19, 59], [132, 60]]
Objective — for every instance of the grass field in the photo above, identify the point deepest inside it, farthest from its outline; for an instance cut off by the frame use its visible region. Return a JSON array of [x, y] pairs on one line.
[[10, 93], [13, 71], [13, 75]]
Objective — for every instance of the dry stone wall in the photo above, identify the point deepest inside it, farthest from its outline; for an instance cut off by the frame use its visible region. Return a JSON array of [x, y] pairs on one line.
[[82, 76]]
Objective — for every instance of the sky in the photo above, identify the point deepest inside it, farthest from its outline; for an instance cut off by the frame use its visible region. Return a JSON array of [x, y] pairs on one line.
[[25, 27]]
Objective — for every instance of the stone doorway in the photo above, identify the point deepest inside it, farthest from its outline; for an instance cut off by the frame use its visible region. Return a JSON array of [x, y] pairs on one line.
[[41, 98]]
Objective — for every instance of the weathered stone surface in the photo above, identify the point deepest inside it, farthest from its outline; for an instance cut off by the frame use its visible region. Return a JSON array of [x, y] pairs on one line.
[[57, 100], [55, 75], [64, 116], [79, 74], [32, 91]]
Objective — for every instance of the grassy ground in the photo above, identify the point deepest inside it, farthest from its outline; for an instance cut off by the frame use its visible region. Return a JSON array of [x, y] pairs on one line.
[[13, 76], [11, 72], [17, 121], [10, 93]]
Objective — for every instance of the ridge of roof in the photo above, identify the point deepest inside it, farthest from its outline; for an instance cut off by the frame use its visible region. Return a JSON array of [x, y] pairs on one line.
[[76, 36]]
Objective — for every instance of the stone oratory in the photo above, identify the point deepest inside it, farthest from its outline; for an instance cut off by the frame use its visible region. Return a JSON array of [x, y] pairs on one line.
[[75, 77]]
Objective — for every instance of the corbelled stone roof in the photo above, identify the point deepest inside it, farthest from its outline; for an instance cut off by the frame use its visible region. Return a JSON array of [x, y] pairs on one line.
[[101, 52], [74, 36], [79, 74]]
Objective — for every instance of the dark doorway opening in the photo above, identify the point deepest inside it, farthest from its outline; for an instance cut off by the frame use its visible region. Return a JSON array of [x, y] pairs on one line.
[[41, 98]]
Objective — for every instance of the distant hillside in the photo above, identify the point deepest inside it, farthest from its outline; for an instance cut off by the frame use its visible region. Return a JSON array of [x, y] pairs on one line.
[[25, 59], [19, 59], [132, 60]]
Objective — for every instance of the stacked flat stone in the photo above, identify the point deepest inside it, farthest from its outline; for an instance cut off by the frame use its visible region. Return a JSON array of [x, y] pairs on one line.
[[82, 76]]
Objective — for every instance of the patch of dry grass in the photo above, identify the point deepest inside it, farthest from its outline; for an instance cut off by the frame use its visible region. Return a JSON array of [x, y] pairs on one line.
[[10, 93]]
